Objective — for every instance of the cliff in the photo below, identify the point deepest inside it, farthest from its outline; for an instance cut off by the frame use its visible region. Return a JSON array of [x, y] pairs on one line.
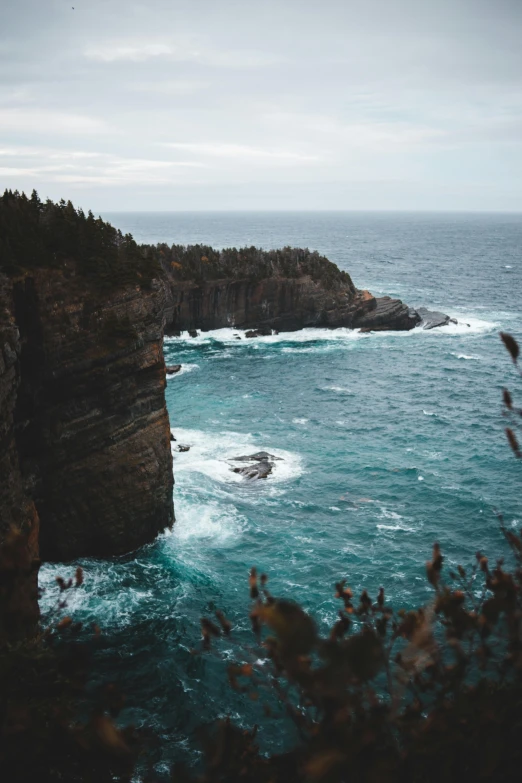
[[86, 464], [18, 515], [92, 429], [285, 289]]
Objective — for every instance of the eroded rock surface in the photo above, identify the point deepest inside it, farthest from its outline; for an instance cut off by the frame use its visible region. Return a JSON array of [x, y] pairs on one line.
[[258, 471], [431, 319], [92, 431], [388, 314], [260, 456]]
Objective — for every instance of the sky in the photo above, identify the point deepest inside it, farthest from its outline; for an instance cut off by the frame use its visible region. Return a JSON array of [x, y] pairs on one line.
[[266, 105]]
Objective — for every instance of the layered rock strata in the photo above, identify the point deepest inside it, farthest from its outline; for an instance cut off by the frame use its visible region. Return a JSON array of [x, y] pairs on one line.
[[388, 314], [284, 304], [91, 445], [283, 290], [19, 522]]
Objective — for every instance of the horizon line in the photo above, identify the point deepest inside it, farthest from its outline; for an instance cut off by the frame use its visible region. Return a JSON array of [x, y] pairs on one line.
[[324, 211]]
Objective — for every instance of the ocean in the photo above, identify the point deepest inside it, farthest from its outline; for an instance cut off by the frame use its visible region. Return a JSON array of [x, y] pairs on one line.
[[385, 442]]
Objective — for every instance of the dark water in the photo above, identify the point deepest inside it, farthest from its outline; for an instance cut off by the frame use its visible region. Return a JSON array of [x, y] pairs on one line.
[[387, 443]]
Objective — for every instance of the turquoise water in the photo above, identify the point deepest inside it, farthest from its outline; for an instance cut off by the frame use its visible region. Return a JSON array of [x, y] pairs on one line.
[[387, 442]]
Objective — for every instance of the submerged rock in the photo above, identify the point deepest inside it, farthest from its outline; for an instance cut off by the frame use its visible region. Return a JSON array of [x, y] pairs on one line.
[[262, 467], [193, 332], [431, 319], [260, 456], [258, 471], [171, 369], [261, 331], [183, 448]]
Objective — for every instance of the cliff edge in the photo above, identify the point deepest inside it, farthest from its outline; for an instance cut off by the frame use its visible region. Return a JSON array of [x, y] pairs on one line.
[[87, 466]]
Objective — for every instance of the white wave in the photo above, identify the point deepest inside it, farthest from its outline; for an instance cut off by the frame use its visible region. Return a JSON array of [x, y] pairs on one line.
[[387, 514], [229, 336], [466, 324], [429, 413], [330, 338], [107, 593], [396, 521], [184, 368], [299, 421], [338, 389], [218, 524], [212, 454], [465, 356]]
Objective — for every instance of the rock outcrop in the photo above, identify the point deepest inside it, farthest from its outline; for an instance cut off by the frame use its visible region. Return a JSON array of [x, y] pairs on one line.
[[260, 469], [281, 304], [91, 448], [431, 319], [388, 314], [259, 291]]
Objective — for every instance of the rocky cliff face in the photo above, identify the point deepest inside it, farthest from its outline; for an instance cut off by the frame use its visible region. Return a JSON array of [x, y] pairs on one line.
[[280, 303], [285, 304], [284, 289], [18, 517], [86, 421]]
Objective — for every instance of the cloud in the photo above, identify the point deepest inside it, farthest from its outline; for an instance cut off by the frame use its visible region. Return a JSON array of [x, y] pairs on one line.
[[175, 87], [139, 52], [196, 51], [47, 121], [242, 152], [80, 167], [276, 98]]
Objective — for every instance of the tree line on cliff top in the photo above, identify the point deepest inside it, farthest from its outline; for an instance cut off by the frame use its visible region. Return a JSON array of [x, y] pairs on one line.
[[43, 234]]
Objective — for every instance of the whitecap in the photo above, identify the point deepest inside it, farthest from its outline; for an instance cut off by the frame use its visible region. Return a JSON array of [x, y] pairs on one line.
[[465, 356], [218, 524], [108, 593], [429, 413], [299, 421], [386, 514], [338, 389]]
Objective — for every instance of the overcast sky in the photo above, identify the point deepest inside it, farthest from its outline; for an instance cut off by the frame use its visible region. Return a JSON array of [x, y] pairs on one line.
[[272, 104]]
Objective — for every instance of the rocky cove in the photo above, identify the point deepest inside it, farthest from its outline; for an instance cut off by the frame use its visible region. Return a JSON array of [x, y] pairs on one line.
[[86, 460]]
